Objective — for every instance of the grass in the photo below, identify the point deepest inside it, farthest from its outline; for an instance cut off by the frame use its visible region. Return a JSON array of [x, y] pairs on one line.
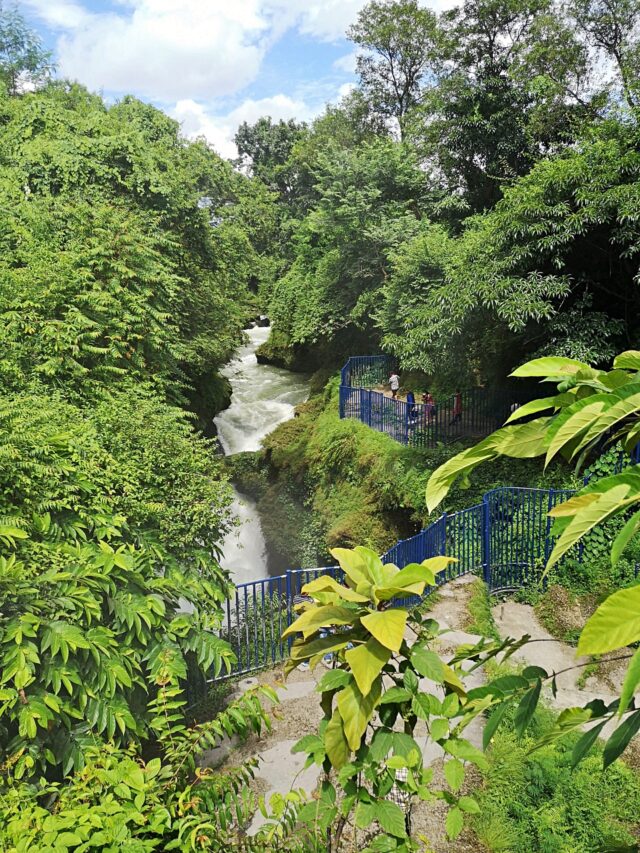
[[479, 608], [533, 802]]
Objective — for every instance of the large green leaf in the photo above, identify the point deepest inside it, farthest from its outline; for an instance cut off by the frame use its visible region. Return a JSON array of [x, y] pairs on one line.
[[454, 773], [620, 739], [550, 367], [568, 721], [628, 360], [454, 823], [424, 572], [493, 722], [353, 565], [585, 743], [443, 477], [328, 584], [624, 537], [631, 681], [427, 663], [391, 818], [304, 649], [532, 408], [387, 626], [526, 708], [521, 441], [623, 403], [356, 710], [320, 617], [366, 662], [335, 741], [412, 579], [380, 573], [587, 518], [615, 624], [575, 421]]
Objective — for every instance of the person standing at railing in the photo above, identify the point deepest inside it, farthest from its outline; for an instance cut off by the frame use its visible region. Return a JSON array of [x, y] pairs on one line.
[[457, 409], [394, 384], [429, 406]]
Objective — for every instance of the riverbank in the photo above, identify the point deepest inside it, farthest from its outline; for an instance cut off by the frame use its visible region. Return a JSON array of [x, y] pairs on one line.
[[320, 482]]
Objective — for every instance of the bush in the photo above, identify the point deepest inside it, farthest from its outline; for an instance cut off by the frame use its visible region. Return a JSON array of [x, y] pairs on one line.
[[535, 803]]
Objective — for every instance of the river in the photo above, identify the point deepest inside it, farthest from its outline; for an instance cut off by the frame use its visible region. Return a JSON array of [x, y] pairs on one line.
[[262, 397]]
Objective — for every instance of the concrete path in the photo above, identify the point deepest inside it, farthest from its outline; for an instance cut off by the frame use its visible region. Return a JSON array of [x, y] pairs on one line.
[[280, 771]]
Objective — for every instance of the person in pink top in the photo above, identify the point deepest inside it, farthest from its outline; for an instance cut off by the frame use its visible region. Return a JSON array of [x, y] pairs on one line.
[[457, 409]]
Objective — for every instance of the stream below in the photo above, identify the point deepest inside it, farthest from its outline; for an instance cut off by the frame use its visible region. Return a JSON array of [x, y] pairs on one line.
[[262, 397]]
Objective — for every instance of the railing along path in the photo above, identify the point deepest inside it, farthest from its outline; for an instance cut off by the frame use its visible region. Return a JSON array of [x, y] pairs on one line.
[[506, 539], [477, 411]]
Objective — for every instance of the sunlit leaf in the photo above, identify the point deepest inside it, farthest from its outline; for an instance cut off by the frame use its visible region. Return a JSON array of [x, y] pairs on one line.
[[327, 583], [624, 537], [356, 710], [550, 366], [387, 626], [320, 617], [615, 624], [587, 518], [366, 661], [335, 741], [631, 682], [621, 738], [628, 360]]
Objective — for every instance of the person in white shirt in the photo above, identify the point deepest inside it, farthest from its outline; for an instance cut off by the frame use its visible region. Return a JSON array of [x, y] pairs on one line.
[[394, 384]]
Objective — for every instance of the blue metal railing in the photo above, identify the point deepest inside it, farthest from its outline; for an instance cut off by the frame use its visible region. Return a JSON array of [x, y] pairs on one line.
[[506, 539], [474, 412], [366, 371]]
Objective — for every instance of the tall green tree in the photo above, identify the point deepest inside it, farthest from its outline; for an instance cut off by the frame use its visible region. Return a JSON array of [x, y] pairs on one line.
[[24, 62], [398, 46]]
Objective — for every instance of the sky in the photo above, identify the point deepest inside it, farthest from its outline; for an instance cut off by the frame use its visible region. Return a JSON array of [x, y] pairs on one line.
[[211, 64]]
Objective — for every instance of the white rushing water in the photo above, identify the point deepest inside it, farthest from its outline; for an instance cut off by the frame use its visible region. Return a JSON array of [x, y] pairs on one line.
[[263, 397]]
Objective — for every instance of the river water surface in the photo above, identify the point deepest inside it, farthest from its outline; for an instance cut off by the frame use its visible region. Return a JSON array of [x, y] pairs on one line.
[[262, 397]]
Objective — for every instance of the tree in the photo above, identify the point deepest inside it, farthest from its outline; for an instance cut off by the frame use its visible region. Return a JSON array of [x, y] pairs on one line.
[[512, 85], [399, 43], [23, 61], [265, 148], [560, 247], [613, 27], [370, 200]]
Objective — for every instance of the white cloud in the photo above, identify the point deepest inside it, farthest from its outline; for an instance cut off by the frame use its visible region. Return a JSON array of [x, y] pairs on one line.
[[219, 130], [322, 19], [347, 63], [161, 49], [63, 14]]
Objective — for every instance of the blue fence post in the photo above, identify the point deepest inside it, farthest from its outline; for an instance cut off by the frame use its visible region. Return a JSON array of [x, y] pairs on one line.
[[406, 423], [486, 541], [443, 538], [289, 596], [547, 538]]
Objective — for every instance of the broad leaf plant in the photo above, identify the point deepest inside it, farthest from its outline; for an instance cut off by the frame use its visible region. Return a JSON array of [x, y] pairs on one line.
[[586, 412], [389, 691]]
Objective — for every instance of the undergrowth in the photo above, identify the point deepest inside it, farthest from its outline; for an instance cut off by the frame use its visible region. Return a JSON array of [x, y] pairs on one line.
[[533, 802], [480, 619]]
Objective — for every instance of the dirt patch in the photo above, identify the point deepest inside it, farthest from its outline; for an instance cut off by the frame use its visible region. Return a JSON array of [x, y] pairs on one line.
[[563, 613], [428, 819], [292, 718]]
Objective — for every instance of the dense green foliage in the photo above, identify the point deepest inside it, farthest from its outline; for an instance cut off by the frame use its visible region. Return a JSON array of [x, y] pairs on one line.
[[127, 264], [474, 201], [535, 801]]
